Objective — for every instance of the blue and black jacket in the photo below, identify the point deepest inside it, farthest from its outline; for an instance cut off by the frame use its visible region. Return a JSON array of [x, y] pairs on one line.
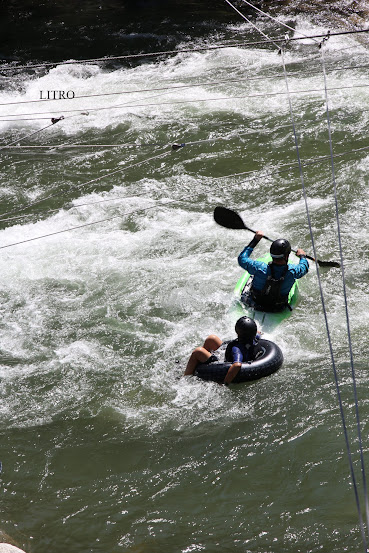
[[279, 279]]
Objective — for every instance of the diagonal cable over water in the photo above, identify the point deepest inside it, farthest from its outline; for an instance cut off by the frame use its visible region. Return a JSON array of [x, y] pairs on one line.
[[363, 534], [83, 225], [341, 258], [76, 187], [53, 122], [345, 295], [12, 67]]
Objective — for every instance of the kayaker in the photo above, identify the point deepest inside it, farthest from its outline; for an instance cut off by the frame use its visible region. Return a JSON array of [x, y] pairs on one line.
[[272, 281], [241, 350]]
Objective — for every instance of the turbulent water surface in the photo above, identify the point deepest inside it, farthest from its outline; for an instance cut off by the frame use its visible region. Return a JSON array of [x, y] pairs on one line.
[[105, 446]]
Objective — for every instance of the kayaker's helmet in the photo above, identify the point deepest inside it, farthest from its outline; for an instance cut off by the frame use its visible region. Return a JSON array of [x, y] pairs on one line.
[[246, 329], [280, 249]]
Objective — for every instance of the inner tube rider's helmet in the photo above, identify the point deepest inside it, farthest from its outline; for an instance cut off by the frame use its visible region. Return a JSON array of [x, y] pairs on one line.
[[280, 249], [246, 329]]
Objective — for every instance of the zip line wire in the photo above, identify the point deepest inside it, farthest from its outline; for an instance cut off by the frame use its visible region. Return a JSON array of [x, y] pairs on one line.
[[303, 36], [53, 122], [345, 298], [347, 317], [168, 88], [319, 280], [300, 166], [82, 226], [255, 174], [180, 102], [206, 83], [185, 50], [77, 187], [343, 278]]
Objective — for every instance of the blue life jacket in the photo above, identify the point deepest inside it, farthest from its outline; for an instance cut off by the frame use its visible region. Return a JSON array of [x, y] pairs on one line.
[[248, 351]]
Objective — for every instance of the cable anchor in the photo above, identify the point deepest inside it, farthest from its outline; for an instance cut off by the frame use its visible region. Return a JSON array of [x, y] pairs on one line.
[[176, 147], [285, 43], [56, 119], [325, 39]]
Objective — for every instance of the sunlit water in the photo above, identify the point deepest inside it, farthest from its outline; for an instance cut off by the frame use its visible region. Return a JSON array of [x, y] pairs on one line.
[[105, 446]]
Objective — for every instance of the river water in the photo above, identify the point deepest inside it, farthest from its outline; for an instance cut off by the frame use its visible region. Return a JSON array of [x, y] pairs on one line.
[[105, 446]]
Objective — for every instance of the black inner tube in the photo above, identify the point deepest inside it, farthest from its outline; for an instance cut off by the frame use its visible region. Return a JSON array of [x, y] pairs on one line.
[[270, 360]]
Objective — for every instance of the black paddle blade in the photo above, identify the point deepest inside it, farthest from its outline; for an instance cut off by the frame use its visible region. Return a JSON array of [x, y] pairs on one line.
[[228, 218], [328, 263]]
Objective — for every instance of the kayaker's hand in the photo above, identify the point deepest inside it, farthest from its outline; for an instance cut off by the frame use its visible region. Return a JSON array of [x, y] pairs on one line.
[[256, 239], [300, 253], [258, 235]]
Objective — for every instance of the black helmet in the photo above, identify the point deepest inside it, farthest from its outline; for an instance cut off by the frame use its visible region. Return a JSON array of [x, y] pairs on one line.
[[246, 329], [280, 249]]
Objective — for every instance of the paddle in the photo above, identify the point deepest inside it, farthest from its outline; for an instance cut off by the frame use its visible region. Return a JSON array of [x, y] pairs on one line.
[[230, 219]]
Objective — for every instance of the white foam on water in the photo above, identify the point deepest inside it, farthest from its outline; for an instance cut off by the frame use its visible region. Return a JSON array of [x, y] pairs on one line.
[[129, 106], [121, 301], [171, 283]]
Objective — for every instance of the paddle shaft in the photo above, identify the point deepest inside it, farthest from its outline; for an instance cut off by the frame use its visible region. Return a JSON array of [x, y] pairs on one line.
[[270, 240], [231, 219]]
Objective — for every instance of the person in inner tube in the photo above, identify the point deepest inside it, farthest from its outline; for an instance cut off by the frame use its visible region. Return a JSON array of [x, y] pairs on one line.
[[272, 282], [239, 351]]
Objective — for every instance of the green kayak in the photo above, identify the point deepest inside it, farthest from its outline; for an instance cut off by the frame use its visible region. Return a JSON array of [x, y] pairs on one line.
[[266, 321]]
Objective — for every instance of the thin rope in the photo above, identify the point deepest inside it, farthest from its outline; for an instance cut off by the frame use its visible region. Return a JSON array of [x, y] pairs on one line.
[[166, 88], [86, 112], [71, 206], [28, 135], [199, 100], [255, 174], [281, 169], [346, 307], [289, 167], [166, 52], [277, 21], [232, 135], [60, 146], [54, 120], [137, 91], [176, 87], [328, 335], [133, 56], [327, 325], [346, 304], [83, 225], [77, 187], [323, 304], [345, 294]]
